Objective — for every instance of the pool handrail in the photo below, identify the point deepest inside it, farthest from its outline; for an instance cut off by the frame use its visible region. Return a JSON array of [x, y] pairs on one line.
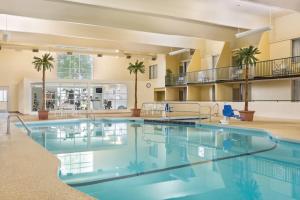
[[22, 122], [183, 103]]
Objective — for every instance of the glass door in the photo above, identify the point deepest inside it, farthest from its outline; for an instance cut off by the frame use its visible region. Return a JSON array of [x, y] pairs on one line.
[[3, 99]]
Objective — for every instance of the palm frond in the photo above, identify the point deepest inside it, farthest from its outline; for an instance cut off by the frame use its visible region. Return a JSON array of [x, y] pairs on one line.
[[43, 63], [246, 56], [137, 67]]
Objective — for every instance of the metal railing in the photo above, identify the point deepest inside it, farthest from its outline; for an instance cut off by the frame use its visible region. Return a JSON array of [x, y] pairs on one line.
[[22, 122], [270, 69], [177, 110], [175, 80]]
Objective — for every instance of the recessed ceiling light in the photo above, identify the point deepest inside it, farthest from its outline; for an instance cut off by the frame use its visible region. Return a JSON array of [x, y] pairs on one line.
[[117, 50]]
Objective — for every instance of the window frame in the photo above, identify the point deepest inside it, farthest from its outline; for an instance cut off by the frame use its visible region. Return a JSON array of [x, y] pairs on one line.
[[69, 73], [153, 72]]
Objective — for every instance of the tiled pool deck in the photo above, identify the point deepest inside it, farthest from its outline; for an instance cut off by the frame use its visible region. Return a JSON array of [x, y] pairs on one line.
[[27, 171]]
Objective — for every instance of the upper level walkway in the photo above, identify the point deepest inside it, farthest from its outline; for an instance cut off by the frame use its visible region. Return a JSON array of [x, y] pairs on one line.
[[269, 69]]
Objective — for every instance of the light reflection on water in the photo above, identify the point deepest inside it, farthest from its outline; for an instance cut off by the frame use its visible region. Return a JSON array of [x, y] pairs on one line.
[[101, 150]]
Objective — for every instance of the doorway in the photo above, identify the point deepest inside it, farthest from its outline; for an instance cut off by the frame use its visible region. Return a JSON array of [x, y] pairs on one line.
[[182, 94], [3, 99]]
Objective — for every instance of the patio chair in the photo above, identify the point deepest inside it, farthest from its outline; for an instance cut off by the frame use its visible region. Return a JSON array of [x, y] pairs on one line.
[[228, 113]]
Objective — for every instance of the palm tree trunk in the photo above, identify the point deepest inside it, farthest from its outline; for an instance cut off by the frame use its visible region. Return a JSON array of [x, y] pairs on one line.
[[135, 144], [44, 90], [246, 88], [135, 92]]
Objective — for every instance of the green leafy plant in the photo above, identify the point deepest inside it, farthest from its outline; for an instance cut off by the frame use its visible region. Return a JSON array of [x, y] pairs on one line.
[[43, 64], [168, 72], [137, 67], [246, 56]]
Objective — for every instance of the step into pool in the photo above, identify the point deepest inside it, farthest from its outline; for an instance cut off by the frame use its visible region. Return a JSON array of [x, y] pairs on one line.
[[133, 160]]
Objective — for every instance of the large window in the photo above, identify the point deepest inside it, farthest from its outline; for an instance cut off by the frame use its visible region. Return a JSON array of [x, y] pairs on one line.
[[80, 96], [78, 67]]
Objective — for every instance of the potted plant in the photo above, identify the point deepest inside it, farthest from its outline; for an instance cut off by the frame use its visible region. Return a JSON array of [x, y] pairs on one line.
[[43, 64], [137, 67], [246, 56]]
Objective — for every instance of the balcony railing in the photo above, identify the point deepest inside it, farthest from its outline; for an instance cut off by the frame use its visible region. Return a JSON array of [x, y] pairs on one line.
[[270, 69], [175, 80]]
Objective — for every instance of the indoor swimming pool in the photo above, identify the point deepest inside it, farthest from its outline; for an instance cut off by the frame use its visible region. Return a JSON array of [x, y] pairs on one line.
[[112, 159]]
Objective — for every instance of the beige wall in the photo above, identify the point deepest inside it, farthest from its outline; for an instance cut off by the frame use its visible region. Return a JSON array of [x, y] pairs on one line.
[[285, 29], [17, 65], [281, 49], [272, 90]]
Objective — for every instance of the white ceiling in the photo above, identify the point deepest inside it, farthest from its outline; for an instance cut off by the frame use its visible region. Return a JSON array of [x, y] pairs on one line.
[[288, 4], [131, 25]]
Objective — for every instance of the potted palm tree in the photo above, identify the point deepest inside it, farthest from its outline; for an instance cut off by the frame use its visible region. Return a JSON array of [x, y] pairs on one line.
[[137, 67], [246, 56], [43, 64]]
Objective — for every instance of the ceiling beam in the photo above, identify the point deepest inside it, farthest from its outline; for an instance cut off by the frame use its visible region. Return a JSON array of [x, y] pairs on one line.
[[118, 19], [91, 32], [288, 4]]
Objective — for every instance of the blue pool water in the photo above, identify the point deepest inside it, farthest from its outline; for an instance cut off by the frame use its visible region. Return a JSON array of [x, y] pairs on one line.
[[119, 159]]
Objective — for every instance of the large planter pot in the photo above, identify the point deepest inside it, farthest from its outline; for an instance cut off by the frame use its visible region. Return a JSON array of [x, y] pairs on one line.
[[246, 115], [135, 112], [43, 114]]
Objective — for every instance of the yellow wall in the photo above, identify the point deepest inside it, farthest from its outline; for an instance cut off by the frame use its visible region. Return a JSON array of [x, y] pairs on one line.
[[172, 94], [211, 48], [195, 64], [264, 47], [173, 63], [225, 56], [223, 92], [193, 93]]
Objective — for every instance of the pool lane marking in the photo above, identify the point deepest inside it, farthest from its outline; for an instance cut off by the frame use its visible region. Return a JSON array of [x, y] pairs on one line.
[[169, 168]]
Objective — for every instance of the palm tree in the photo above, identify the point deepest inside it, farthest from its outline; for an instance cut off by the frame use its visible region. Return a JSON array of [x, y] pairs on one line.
[[246, 56], [137, 67], [43, 64]]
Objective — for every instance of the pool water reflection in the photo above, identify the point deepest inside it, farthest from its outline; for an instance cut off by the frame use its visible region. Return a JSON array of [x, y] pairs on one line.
[[156, 161]]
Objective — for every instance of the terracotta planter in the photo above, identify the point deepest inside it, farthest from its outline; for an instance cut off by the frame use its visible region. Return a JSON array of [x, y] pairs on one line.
[[246, 115], [136, 112], [43, 114]]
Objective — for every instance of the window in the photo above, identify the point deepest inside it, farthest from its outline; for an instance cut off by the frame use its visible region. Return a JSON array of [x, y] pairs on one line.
[[153, 72], [80, 96], [78, 67], [296, 47], [3, 95]]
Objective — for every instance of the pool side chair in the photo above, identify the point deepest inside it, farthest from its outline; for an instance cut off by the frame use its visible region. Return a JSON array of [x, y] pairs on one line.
[[228, 113]]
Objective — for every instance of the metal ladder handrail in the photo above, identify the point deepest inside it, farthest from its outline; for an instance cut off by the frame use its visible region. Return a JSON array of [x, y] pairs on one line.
[[22, 122], [182, 103]]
